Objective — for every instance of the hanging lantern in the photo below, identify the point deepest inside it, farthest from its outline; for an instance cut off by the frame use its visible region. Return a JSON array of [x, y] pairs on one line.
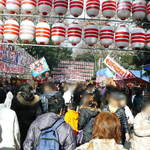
[[27, 30], [91, 34], [106, 35], [148, 39], [124, 8], [2, 5], [74, 33], [139, 9], [12, 6], [109, 8], [44, 6], [60, 7], [28, 6], [138, 38], [76, 7], [122, 36], [42, 33], [148, 11], [92, 7], [58, 33], [1, 30], [11, 30]]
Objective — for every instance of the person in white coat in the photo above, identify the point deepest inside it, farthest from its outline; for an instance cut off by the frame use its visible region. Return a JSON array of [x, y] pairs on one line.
[[10, 134]]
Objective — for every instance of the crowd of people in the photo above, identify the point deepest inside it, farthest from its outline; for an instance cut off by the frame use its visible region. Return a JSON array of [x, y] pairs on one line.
[[73, 116]]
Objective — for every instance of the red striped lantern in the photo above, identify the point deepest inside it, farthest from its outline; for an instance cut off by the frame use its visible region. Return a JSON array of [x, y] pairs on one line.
[[108, 8], [106, 35], [27, 30], [124, 8], [28, 6], [148, 11], [74, 33], [42, 33], [138, 38], [91, 34], [12, 6], [60, 7], [1, 30], [148, 39], [2, 5], [122, 36], [44, 6], [76, 7], [139, 9], [58, 33], [11, 30], [92, 7]]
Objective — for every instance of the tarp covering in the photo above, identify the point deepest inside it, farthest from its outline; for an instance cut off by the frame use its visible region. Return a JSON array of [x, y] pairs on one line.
[[105, 73], [147, 67]]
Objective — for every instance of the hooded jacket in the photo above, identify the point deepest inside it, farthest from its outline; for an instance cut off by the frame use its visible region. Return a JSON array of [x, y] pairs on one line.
[[65, 133]]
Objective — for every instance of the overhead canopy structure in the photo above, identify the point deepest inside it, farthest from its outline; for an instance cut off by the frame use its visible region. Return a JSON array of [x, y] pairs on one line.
[[105, 73]]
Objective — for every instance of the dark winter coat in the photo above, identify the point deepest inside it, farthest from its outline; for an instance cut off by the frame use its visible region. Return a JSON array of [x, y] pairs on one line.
[[65, 132], [87, 117], [26, 113]]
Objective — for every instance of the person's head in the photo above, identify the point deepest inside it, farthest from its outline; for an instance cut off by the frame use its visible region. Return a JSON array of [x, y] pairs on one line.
[[90, 88], [107, 126], [146, 105], [48, 87]]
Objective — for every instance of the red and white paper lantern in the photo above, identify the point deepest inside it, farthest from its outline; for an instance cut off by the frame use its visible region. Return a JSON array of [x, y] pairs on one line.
[[139, 9], [148, 11], [92, 7], [28, 6], [1, 30], [27, 30], [42, 33], [76, 7], [11, 30], [122, 36], [124, 8], [2, 5], [12, 6], [108, 8], [148, 39], [58, 33], [74, 33], [138, 38], [91, 34], [60, 7], [106, 35], [44, 6]]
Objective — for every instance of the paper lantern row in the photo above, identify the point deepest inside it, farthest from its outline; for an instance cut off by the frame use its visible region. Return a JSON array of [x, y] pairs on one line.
[[58, 33], [109, 8]]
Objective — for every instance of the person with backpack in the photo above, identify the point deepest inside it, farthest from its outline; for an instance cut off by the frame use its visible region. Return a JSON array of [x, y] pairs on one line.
[[49, 131]]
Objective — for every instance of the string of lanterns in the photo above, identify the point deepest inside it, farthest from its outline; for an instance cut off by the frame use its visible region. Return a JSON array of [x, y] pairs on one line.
[[124, 9]]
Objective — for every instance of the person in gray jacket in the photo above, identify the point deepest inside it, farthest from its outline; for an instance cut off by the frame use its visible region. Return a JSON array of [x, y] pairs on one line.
[[67, 139]]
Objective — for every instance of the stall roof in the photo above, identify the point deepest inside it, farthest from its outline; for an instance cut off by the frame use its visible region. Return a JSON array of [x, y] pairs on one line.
[[105, 72]]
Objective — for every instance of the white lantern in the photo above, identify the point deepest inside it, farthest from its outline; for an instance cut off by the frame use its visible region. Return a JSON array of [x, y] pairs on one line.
[[42, 33], [139, 9], [124, 8], [11, 30], [1, 30], [60, 7], [92, 7], [138, 38], [148, 11], [28, 6], [122, 36], [76, 7], [12, 6], [91, 34], [2, 5], [27, 30], [148, 39], [106, 35], [58, 33], [109, 8], [44, 6], [74, 33]]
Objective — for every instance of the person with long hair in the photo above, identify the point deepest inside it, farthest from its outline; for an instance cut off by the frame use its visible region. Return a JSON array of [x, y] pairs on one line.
[[106, 133]]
